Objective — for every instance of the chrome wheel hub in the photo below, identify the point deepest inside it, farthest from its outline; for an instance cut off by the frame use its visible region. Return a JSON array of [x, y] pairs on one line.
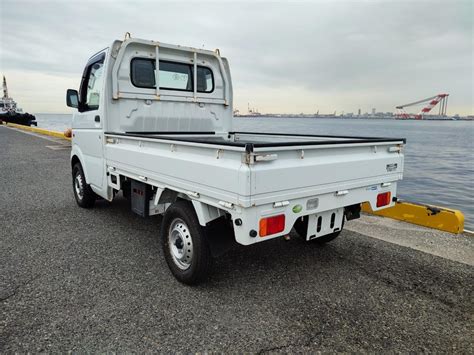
[[79, 186], [180, 244]]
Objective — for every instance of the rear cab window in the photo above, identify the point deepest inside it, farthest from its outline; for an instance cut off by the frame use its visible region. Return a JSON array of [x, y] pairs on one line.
[[172, 76]]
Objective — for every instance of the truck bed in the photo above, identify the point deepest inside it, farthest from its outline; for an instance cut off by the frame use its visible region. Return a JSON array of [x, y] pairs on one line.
[[289, 166]]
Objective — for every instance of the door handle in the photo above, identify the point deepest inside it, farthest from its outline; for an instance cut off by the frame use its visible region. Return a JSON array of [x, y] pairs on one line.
[[97, 118]]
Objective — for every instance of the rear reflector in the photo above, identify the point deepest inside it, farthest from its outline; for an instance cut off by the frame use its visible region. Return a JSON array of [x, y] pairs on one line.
[[272, 225], [383, 199]]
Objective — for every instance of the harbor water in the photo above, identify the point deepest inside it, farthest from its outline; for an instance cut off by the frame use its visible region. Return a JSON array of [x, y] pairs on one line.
[[439, 155]]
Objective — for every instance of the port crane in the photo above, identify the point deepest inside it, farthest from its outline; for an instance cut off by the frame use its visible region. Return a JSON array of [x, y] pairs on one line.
[[432, 102]]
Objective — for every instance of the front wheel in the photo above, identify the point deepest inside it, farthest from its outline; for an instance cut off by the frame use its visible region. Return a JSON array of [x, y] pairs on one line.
[[83, 193], [301, 226], [184, 244]]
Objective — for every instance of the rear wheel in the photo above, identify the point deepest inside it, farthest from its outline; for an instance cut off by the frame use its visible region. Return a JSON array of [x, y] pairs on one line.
[[83, 193], [301, 226], [184, 244]]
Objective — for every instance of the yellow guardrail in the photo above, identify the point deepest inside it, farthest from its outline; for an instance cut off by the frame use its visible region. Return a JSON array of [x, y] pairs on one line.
[[441, 218], [39, 130]]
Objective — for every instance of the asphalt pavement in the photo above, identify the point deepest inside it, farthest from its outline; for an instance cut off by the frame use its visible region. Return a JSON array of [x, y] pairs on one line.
[[94, 280]]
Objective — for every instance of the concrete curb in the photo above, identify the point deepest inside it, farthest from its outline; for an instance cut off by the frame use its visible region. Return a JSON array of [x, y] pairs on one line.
[[39, 130], [468, 233]]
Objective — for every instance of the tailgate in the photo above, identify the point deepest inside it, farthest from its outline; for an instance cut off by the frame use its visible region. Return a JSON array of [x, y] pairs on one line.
[[304, 171]]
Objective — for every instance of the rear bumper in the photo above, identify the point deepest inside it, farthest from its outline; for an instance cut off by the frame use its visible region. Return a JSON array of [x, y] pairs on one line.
[[247, 232]]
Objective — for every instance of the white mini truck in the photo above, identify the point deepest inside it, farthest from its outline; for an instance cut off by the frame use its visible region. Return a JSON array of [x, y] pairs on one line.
[[154, 121]]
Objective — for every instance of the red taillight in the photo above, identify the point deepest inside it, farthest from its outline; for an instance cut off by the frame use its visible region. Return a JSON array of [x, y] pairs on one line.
[[272, 225], [383, 199]]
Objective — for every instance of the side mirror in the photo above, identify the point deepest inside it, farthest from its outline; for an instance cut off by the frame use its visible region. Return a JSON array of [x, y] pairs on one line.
[[72, 98]]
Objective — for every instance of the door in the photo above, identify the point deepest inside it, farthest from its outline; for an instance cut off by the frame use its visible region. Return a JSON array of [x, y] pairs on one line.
[[87, 123]]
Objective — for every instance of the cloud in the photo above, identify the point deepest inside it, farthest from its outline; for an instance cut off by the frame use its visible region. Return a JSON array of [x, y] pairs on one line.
[[327, 55]]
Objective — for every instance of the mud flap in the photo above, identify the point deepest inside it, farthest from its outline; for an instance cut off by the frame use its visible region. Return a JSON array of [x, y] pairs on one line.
[[220, 235]]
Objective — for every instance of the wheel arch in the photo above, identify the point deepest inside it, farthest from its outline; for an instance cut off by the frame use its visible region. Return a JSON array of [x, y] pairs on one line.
[[76, 157], [206, 213]]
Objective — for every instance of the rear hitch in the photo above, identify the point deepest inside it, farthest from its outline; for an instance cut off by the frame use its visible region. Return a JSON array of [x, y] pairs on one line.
[[352, 212]]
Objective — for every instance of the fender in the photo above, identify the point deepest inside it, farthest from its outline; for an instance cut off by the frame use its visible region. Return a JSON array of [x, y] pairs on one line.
[[206, 213], [76, 152]]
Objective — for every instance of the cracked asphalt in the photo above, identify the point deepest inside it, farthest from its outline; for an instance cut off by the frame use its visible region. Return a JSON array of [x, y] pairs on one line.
[[94, 280]]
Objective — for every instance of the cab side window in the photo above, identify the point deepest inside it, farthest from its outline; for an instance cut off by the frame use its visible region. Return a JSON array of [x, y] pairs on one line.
[[91, 86]]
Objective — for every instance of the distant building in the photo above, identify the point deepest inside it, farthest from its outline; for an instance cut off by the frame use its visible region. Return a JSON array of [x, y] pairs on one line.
[[358, 113], [373, 112]]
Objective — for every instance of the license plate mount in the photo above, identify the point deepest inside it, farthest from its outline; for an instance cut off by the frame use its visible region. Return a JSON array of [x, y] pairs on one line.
[[324, 223]]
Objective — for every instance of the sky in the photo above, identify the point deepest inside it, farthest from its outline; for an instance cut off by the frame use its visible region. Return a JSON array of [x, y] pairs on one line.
[[285, 57]]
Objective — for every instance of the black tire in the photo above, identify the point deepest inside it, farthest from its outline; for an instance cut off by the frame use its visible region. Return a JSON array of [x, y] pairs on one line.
[[180, 230], [83, 193], [301, 226]]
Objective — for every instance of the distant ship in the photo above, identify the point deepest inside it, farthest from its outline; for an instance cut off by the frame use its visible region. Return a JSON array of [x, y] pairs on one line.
[[251, 112], [10, 112], [440, 118]]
